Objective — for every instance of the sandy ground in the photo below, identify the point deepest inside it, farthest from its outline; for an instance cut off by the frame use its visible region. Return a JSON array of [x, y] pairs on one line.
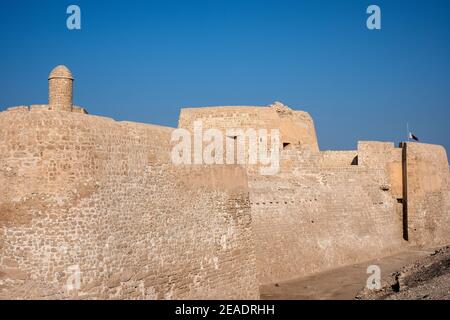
[[425, 279], [349, 282]]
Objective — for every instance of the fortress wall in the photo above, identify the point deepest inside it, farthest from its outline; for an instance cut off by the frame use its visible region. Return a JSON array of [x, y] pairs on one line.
[[447, 195], [384, 156], [296, 127], [228, 117], [376, 154], [88, 193], [315, 216], [335, 159], [427, 194], [304, 128]]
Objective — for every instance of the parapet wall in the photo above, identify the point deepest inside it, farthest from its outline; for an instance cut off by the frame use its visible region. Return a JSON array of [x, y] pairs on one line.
[[335, 208], [91, 194], [87, 193], [42, 107], [386, 157], [324, 210], [296, 127]]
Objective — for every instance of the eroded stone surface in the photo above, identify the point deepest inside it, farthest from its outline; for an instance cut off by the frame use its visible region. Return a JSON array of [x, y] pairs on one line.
[[87, 193]]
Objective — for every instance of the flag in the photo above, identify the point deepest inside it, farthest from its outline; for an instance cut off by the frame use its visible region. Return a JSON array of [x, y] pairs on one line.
[[411, 136]]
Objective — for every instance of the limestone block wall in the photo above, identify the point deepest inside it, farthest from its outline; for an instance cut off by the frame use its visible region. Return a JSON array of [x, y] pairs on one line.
[[60, 94], [335, 159], [427, 194], [386, 157], [88, 194], [319, 214], [296, 127]]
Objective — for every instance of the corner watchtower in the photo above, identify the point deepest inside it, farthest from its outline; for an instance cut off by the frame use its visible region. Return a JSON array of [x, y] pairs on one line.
[[60, 89]]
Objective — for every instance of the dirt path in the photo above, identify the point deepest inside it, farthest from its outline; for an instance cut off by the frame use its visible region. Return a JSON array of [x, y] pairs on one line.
[[340, 284]]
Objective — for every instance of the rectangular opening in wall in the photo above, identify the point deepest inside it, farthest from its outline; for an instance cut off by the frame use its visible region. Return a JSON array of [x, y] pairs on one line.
[[286, 146]]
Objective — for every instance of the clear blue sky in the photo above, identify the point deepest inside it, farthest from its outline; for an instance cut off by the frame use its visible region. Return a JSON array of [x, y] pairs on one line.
[[144, 60]]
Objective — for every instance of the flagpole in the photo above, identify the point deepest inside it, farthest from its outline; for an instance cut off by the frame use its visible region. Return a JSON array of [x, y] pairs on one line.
[[407, 131]]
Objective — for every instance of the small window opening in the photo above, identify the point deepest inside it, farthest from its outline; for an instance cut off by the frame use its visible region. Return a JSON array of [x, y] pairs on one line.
[[286, 145]]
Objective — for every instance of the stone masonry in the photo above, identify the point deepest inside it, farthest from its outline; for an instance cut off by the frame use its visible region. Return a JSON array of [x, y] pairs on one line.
[[92, 208]]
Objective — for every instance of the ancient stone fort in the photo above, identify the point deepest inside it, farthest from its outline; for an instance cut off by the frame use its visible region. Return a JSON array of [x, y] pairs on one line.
[[92, 208]]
